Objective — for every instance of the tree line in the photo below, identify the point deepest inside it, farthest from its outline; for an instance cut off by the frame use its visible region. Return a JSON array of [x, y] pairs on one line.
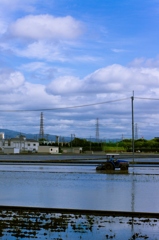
[[125, 145]]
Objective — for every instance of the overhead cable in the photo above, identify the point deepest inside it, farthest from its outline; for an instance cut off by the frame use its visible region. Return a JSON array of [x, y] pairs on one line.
[[146, 98], [60, 108]]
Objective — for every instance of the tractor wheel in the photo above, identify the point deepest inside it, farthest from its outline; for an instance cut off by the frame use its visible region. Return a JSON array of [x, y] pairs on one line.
[[109, 166], [124, 167]]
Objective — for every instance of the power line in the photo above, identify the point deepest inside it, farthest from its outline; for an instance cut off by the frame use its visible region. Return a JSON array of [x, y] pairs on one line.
[[146, 98], [60, 108], [72, 107]]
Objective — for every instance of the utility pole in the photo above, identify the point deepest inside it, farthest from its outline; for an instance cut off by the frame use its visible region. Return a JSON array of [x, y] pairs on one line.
[[97, 131], [72, 138], [90, 143], [132, 106], [41, 133], [136, 131]]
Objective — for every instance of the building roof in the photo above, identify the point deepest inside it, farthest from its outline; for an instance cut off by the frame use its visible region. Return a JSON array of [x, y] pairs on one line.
[[21, 139]]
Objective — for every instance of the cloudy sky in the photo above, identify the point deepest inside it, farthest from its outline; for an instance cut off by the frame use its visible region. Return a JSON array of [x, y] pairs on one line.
[[78, 61]]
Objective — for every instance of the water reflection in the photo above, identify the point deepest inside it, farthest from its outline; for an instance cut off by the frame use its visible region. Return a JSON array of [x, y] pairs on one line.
[[29, 224], [80, 187]]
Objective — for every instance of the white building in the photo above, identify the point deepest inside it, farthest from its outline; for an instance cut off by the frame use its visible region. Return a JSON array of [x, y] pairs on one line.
[[1, 140], [24, 144], [21, 143]]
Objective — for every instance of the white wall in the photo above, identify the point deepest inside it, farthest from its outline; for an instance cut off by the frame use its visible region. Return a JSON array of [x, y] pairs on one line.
[[9, 150], [25, 145], [48, 149], [54, 150], [30, 146]]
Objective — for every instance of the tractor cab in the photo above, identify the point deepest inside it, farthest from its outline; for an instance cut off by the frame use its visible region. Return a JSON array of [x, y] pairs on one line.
[[112, 157]]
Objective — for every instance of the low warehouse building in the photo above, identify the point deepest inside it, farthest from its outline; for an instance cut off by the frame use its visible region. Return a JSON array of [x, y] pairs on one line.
[[11, 150], [48, 149]]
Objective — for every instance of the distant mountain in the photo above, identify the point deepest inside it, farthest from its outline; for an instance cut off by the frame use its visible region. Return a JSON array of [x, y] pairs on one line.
[[9, 133], [12, 134]]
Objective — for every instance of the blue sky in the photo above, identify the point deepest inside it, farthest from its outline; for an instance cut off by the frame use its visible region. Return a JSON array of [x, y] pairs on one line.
[[60, 54]]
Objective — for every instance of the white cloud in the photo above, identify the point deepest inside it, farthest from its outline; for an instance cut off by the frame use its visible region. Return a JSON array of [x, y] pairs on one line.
[[50, 51], [87, 58], [64, 85], [41, 27], [41, 37], [42, 51], [106, 84], [14, 5], [10, 81], [33, 66], [60, 50], [34, 96], [39, 71], [3, 26], [17, 93], [112, 79], [43, 71], [144, 62], [117, 50]]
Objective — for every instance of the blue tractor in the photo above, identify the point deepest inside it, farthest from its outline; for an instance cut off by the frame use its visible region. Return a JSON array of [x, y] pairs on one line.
[[113, 163]]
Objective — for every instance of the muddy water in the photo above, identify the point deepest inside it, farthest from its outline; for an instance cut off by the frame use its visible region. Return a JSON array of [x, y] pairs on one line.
[[80, 187]]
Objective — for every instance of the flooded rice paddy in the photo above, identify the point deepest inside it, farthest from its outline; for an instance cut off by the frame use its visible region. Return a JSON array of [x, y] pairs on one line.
[[78, 187], [39, 225]]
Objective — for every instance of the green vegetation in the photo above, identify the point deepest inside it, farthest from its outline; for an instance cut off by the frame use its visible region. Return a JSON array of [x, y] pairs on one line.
[[125, 145], [140, 145], [87, 145], [113, 149]]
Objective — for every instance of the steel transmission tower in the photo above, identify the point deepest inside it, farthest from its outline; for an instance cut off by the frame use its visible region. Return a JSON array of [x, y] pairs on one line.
[[41, 133], [97, 130]]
